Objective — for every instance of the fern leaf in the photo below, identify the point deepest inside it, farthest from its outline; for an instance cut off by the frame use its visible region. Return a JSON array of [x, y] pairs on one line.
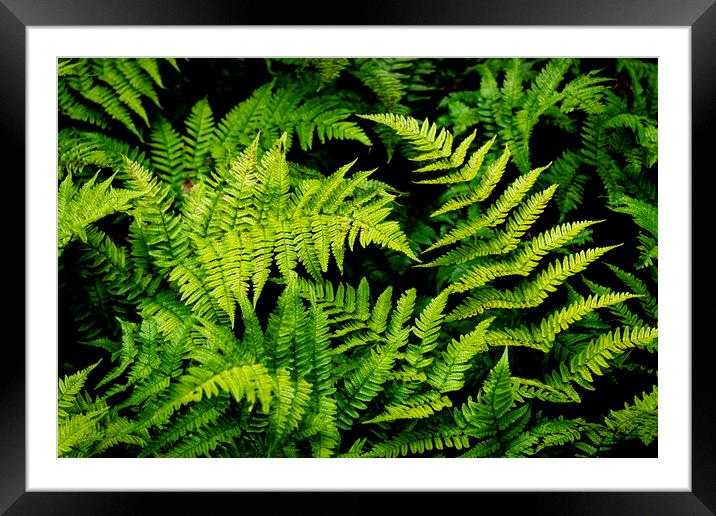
[[189, 280], [495, 214], [169, 245], [199, 416], [448, 373], [79, 431], [199, 139], [647, 301], [289, 403], [638, 420], [372, 369], [484, 188], [523, 262], [425, 140], [526, 388], [427, 329], [237, 127], [595, 355], [77, 208], [69, 387], [228, 270], [533, 292], [286, 332], [167, 154], [419, 406], [249, 382], [208, 439], [420, 441]]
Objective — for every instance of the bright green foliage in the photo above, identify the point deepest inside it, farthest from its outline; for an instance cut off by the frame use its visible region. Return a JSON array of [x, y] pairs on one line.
[[84, 153], [78, 207], [639, 420], [645, 215], [595, 355], [279, 221], [447, 374], [389, 80], [100, 90], [296, 111], [254, 294], [615, 122], [493, 421], [87, 427]]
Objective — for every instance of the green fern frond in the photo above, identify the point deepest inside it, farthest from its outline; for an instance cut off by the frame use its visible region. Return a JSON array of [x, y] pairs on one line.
[[291, 110], [645, 216], [492, 420], [120, 431], [167, 154], [199, 416], [585, 93], [427, 329], [127, 354], [199, 139], [171, 314], [249, 382], [620, 310], [640, 420], [385, 77], [419, 406], [568, 171], [448, 373], [100, 89], [558, 432], [420, 441], [206, 440], [532, 292], [189, 279], [79, 432], [228, 270], [560, 320], [522, 262], [496, 394], [84, 153], [286, 338], [69, 387], [112, 105], [238, 127], [495, 214], [518, 127], [647, 301], [541, 336], [78, 207], [504, 241], [205, 277], [526, 388], [169, 245], [487, 183], [330, 68], [593, 358], [289, 403], [426, 142], [372, 370]]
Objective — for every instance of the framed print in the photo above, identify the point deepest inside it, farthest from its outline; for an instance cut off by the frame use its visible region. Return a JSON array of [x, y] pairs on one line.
[[335, 256]]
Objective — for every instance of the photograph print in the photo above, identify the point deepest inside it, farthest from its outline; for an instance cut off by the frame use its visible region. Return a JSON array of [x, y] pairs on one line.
[[357, 257]]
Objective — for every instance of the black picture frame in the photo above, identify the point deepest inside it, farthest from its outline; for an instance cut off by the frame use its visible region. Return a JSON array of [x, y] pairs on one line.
[[699, 15]]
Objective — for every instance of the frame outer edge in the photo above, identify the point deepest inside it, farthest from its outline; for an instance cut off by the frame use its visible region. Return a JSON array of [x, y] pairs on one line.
[[703, 412], [12, 394], [12, 69]]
